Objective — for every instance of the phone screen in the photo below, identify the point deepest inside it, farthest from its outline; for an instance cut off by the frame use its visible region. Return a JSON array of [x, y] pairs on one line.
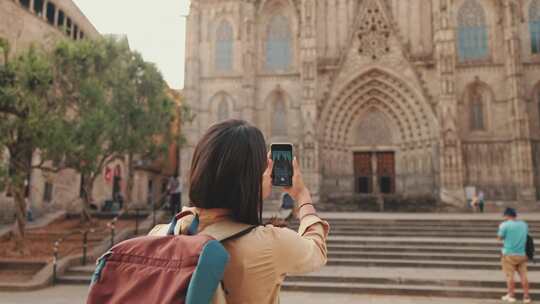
[[282, 172]]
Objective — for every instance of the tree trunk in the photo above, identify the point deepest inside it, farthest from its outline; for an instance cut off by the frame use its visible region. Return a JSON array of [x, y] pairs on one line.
[[20, 216], [21, 154], [88, 187], [129, 182]]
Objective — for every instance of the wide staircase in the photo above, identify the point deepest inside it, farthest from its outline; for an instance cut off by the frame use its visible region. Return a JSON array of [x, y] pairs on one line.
[[437, 256]]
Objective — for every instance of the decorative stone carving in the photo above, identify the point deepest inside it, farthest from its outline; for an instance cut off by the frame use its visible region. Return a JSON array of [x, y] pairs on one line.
[[374, 130], [373, 31]]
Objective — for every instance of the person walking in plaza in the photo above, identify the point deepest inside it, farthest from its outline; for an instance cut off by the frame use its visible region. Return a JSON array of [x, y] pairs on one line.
[[230, 177], [481, 201], [287, 205], [174, 188], [513, 233]]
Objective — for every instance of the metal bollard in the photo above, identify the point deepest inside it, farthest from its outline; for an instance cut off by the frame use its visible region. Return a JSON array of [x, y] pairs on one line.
[[153, 214], [55, 262], [85, 247], [137, 221], [112, 234]]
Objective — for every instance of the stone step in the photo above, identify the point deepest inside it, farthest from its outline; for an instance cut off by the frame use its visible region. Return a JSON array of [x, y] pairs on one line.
[[398, 289], [418, 223], [398, 256], [446, 242], [421, 229], [404, 248], [405, 281], [379, 262], [416, 234], [87, 270], [74, 280]]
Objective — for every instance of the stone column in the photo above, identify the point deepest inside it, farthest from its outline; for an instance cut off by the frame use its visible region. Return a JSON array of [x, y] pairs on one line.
[[192, 94], [309, 146], [56, 13], [522, 168], [44, 10], [450, 158], [249, 64], [32, 6]]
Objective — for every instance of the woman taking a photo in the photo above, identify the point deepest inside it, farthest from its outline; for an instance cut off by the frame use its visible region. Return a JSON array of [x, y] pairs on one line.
[[230, 178]]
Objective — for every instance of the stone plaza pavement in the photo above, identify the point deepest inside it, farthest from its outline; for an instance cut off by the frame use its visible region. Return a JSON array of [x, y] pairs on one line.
[[68, 294]]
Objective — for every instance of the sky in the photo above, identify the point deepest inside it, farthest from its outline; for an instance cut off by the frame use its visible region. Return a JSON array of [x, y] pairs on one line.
[[157, 31]]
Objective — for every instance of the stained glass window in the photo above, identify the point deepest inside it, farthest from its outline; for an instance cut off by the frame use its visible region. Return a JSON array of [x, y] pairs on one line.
[[279, 118], [223, 109], [224, 46], [472, 32], [278, 44], [534, 26]]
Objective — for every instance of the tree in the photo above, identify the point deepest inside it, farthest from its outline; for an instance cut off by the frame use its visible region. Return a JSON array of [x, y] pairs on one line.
[[122, 109], [31, 122], [91, 70], [145, 112]]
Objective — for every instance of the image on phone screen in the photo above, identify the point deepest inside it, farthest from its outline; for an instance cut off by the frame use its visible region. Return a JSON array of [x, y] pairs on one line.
[[282, 170]]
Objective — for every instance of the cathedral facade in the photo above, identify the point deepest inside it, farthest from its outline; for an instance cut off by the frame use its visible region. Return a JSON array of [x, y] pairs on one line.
[[416, 97]]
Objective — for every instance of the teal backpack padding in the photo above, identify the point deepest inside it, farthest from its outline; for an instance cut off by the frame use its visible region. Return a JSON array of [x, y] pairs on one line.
[[208, 274]]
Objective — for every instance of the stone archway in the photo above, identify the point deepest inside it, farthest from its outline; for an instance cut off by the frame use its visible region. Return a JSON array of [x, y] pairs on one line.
[[380, 114]]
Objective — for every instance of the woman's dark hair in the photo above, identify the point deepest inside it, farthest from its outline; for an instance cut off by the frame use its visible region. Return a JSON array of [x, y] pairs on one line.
[[227, 169]]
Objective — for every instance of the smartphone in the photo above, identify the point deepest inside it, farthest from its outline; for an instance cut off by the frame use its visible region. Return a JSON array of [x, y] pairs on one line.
[[282, 171]]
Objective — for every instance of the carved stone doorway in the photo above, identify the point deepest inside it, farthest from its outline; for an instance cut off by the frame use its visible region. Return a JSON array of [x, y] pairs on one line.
[[374, 172]]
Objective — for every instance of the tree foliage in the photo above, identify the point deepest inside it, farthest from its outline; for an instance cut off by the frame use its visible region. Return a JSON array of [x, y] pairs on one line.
[[79, 106]]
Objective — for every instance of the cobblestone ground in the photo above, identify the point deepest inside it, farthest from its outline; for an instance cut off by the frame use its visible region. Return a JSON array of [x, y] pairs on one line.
[[77, 294]]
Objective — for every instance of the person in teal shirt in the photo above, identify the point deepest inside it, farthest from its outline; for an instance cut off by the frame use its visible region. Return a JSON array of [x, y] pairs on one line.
[[513, 233]]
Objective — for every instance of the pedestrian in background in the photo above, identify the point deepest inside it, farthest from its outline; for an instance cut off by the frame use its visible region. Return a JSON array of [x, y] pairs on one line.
[[481, 201], [513, 233], [287, 204], [174, 188]]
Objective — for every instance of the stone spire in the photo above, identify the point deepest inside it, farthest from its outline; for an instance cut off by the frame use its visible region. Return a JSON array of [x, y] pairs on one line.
[[451, 160], [522, 168], [308, 71]]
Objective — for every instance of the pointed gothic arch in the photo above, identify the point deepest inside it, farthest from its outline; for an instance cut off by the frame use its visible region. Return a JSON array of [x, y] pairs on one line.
[[374, 128], [221, 106], [472, 30], [278, 102], [477, 100], [534, 26], [376, 86]]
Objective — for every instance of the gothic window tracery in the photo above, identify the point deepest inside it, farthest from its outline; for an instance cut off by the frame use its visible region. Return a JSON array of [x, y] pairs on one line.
[[534, 26], [279, 117], [278, 43], [477, 115], [477, 107], [472, 32], [373, 32], [224, 46]]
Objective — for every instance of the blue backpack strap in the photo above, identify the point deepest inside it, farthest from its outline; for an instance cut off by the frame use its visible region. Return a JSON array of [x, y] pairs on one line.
[[208, 273], [212, 262], [99, 268], [172, 225], [192, 230]]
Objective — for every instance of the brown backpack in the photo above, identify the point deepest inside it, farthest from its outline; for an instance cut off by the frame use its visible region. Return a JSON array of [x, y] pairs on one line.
[[166, 268]]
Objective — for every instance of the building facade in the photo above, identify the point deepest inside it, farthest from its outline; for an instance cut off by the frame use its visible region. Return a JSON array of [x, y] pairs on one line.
[[417, 97], [43, 23]]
